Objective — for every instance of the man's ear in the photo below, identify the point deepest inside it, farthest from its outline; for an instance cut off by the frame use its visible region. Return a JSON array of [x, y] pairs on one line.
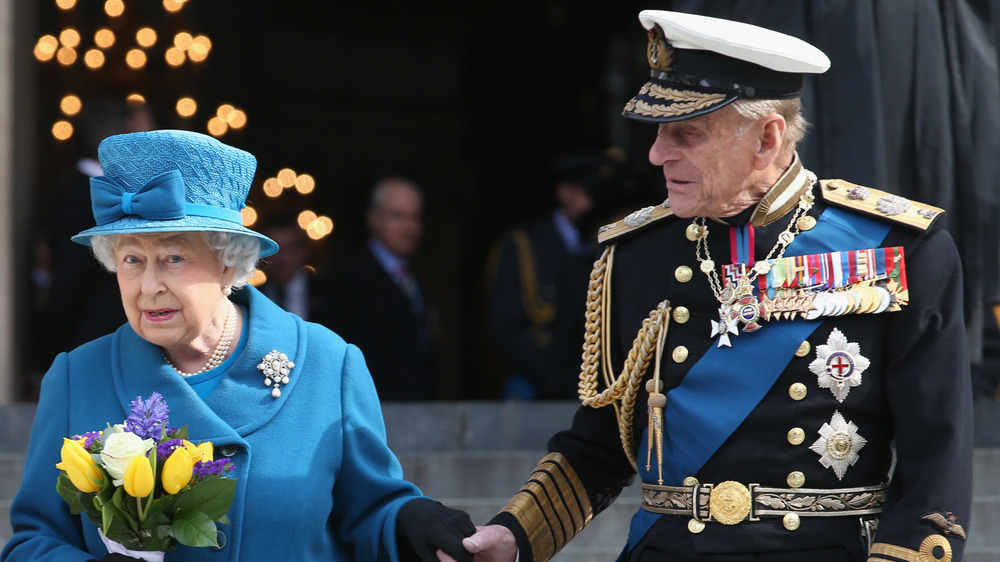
[[772, 135]]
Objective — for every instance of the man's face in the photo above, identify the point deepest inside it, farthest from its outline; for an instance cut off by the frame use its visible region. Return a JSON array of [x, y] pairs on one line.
[[707, 164], [398, 221]]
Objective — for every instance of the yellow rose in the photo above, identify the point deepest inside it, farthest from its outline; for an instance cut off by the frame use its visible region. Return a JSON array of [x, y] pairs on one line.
[[207, 451], [80, 467], [138, 480], [177, 469]]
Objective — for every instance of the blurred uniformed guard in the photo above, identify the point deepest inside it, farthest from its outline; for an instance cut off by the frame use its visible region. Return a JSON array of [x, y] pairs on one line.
[[762, 345]]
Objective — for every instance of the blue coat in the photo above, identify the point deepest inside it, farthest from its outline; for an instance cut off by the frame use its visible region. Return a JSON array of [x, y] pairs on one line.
[[316, 480]]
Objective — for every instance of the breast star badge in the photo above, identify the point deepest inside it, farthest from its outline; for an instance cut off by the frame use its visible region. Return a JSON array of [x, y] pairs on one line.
[[838, 444], [838, 365]]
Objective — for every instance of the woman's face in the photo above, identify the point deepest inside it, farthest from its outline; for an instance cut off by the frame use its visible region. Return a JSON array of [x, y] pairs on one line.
[[171, 286]]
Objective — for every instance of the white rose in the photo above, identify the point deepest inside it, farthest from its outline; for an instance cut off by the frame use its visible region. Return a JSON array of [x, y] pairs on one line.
[[119, 449]]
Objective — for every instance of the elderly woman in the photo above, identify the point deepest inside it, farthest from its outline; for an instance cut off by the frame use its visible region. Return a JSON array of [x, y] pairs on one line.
[[315, 478]]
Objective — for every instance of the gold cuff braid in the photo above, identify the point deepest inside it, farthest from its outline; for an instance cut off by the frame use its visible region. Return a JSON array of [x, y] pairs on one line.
[[552, 507], [925, 554]]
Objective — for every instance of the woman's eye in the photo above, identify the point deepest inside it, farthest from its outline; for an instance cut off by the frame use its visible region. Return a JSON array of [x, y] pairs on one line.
[[174, 259]]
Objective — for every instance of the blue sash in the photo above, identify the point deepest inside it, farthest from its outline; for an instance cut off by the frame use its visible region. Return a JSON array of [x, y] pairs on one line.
[[710, 403]]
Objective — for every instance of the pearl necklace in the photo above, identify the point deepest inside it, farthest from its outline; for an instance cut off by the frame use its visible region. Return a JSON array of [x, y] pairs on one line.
[[221, 348]]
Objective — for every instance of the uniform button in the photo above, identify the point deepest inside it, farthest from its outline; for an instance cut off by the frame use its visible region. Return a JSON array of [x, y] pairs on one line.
[[796, 479], [806, 223], [696, 526], [683, 274], [694, 232], [227, 450], [796, 436], [680, 354], [803, 349], [798, 391], [690, 481], [791, 521], [681, 314], [220, 537]]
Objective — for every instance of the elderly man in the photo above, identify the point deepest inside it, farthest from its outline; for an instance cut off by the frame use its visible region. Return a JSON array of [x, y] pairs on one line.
[[781, 360]]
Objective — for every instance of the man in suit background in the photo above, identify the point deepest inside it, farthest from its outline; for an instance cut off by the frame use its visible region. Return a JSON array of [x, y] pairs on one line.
[[292, 282], [377, 301]]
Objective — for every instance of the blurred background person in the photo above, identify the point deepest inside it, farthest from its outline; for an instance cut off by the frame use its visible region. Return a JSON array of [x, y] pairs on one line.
[[538, 273], [377, 301], [292, 282]]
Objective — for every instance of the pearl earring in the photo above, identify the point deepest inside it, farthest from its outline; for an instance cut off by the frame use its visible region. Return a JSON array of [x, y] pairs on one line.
[[227, 290]]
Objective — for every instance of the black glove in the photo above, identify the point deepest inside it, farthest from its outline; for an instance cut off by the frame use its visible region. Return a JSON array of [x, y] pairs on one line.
[[428, 525]]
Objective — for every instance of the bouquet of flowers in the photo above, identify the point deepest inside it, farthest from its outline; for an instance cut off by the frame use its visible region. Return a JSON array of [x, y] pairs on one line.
[[144, 484]]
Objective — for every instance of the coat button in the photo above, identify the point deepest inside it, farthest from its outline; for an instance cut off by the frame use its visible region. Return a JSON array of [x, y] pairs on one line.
[[796, 436], [680, 354], [803, 349], [791, 521], [690, 481], [227, 450], [681, 314], [683, 274], [806, 223], [798, 391], [220, 537], [796, 479]]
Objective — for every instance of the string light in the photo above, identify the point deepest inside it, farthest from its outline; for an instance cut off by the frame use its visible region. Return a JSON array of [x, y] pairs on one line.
[[93, 58], [186, 107], [62, 130], [104, 38], [70, 105]]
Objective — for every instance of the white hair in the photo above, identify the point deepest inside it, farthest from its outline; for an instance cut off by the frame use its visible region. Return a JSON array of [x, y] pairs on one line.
[[239, 251], [790, 108]]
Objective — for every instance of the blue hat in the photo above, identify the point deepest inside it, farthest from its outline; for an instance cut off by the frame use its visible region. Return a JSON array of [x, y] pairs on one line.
[[171, 181], [699, 64]]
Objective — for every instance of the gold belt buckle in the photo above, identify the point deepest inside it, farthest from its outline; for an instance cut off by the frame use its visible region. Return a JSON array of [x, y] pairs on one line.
[[729, 502]]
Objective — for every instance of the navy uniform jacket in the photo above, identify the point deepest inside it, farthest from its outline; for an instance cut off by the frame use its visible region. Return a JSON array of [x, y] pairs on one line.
[[536, 307], [914, 397]]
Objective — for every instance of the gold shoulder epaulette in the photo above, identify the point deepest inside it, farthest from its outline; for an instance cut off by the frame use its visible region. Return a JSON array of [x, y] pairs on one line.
[[634, 221], [879, 203]]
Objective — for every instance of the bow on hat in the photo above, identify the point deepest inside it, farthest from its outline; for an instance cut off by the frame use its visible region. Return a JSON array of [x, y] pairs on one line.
[[162, 198]]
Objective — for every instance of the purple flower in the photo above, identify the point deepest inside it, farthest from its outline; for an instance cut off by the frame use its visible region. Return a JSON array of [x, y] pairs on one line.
[[91, 437], [148, 418], [204, 469], [164, 449]]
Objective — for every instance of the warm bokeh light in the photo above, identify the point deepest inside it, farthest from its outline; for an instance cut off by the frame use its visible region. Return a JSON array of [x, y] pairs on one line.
[[62, 130], [249, 216], [135, 99], [224, 111], [114, 8], [217, 127], [237, 119], [319, 228], [174, 56], [104, 38], [135, 58], [172, 5], [66, 55], [186, 107], [46, 47], [257, 278], [93, 58], [70, 104], [272, 187], [286, 177], [65, 4], [183, 40], [200, 46], [69, 37], [145, 37], [306, 218], [305, 184]]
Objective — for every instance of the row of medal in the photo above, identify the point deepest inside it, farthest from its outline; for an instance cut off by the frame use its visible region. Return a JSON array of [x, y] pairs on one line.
[[869, 281]]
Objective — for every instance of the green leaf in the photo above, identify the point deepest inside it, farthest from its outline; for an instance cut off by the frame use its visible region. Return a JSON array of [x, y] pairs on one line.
[[69, 493], [211, 497], [195, 529], [179, 433]]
